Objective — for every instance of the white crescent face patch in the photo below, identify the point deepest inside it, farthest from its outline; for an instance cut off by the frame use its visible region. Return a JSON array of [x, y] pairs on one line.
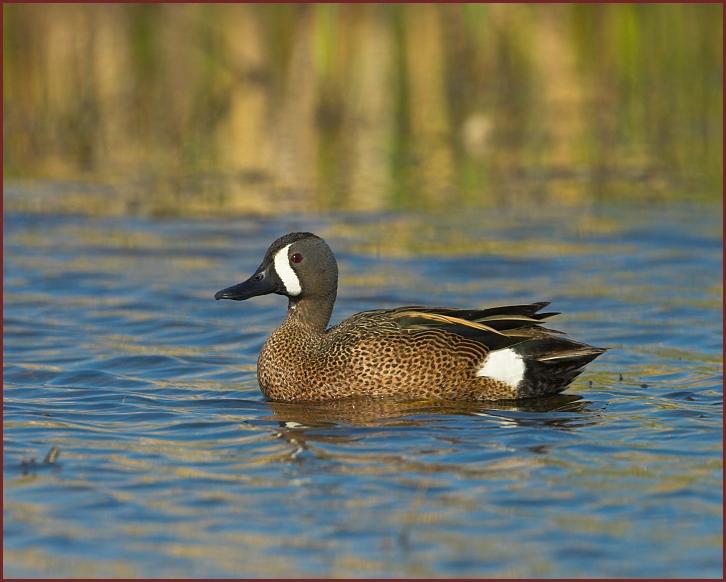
[[285, 272]]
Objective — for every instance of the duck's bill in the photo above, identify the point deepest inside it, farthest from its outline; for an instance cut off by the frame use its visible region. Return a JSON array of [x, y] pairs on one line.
[[249, 288]]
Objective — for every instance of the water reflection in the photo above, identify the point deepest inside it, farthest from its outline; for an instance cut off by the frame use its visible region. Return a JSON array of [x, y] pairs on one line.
[[376, 412], [339, 422]]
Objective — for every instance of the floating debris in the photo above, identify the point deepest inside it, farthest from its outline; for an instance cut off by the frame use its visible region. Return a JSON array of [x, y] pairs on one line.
[[50, 460]]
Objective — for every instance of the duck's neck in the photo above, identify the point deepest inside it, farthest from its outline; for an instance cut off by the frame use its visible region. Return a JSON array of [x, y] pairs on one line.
[[311, 312]]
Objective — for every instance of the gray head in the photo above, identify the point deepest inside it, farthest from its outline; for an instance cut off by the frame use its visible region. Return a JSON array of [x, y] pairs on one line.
[[299, 265]]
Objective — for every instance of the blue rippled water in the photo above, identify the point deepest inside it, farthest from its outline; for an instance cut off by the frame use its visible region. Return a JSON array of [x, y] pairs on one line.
[[137, 443]]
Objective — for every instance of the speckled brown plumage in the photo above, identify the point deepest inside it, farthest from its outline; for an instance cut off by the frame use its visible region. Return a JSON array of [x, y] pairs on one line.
[[407, 353]]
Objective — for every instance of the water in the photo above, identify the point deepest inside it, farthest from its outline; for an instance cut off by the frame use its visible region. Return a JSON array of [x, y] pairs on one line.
[[168, 462]]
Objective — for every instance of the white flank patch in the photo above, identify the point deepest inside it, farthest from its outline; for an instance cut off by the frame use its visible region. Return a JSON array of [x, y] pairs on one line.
[[504, 365], [285, 272]]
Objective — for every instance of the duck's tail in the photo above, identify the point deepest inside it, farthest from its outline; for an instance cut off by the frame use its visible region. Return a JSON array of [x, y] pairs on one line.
[[552, 363]]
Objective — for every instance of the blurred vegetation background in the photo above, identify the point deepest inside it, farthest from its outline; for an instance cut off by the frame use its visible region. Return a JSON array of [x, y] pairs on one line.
[[203, 108]]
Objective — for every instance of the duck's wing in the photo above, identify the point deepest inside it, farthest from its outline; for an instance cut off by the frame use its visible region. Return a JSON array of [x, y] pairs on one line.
[[497, 328], [508, 311], [507, 321]]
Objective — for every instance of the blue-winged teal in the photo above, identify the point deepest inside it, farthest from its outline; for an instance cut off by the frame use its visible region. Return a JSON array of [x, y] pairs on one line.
[[413, 353]]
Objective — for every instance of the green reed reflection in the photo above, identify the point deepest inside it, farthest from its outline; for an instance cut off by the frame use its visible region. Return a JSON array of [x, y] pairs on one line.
[[365, 107]]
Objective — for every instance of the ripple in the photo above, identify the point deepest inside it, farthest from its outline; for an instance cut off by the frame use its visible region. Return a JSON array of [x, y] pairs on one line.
[[116, 354]]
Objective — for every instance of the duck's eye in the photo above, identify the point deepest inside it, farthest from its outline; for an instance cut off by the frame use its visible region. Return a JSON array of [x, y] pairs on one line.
[[259, 276], [296, 258]]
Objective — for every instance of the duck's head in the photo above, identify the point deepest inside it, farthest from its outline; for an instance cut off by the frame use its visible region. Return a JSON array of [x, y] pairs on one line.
[[299, 265]]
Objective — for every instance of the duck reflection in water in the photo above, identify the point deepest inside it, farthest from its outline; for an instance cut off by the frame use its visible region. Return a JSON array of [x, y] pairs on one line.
[[309, 420]]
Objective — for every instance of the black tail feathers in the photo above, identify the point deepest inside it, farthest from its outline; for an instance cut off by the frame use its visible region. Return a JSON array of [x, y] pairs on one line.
[[551, 364]]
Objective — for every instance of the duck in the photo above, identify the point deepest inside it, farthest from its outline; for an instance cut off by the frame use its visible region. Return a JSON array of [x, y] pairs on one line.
[[405, 353]]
